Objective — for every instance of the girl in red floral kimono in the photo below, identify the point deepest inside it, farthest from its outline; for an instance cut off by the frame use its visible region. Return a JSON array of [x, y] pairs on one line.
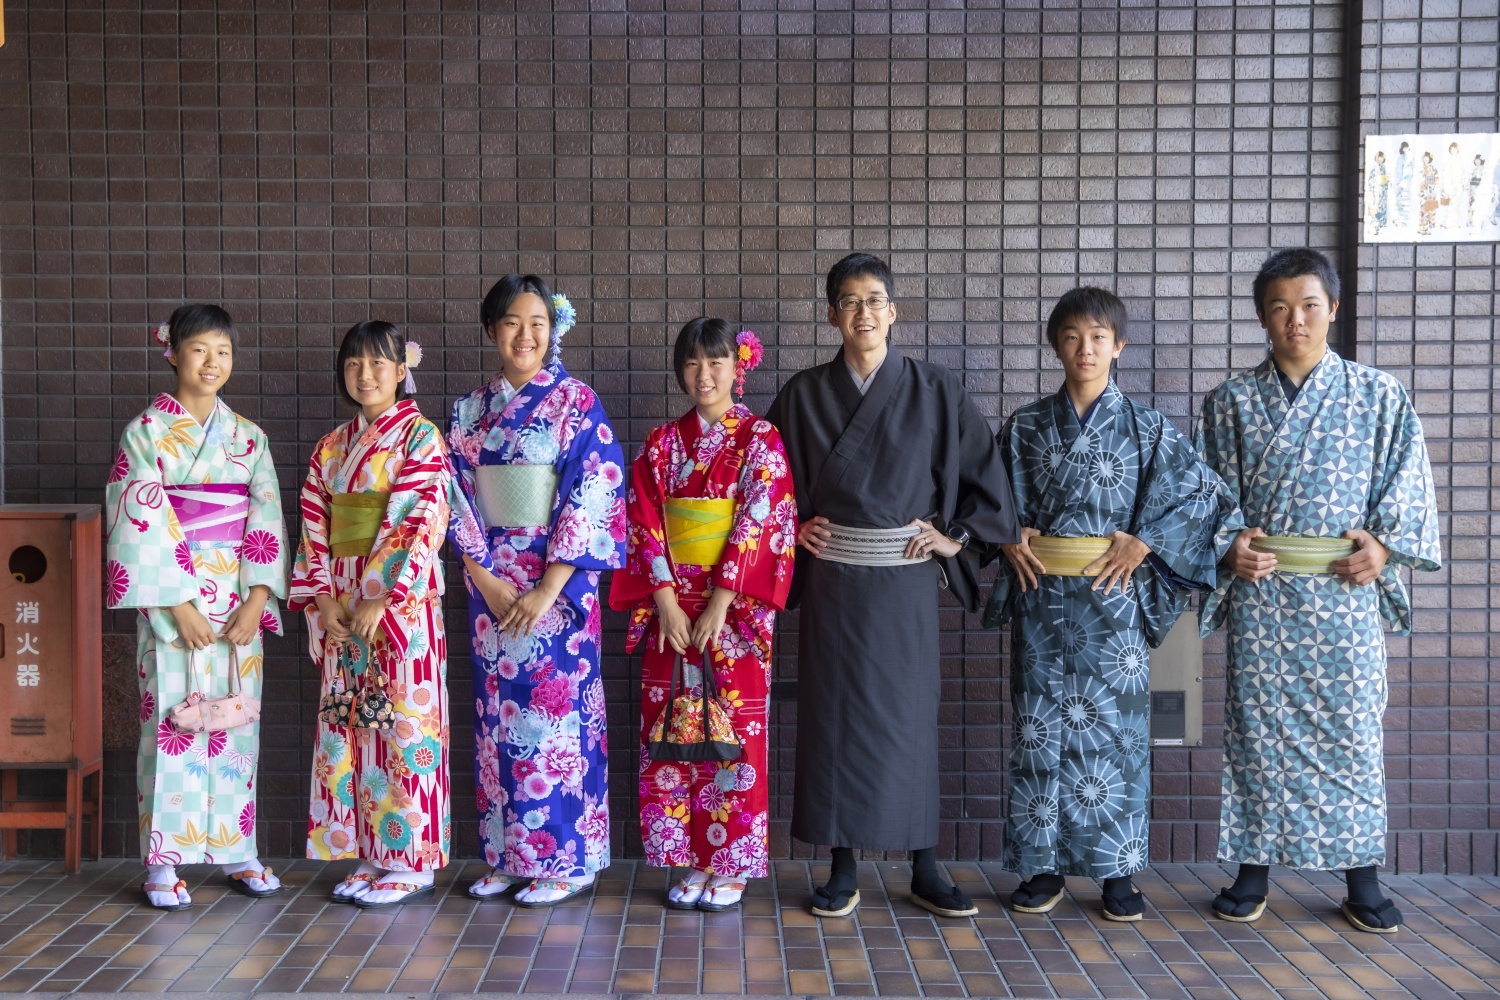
[[713, 528]]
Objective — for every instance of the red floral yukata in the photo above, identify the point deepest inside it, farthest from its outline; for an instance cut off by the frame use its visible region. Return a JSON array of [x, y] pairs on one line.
[[708, 815]]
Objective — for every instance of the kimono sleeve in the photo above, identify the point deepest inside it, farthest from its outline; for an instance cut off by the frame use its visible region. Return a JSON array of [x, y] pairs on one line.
[[1217, 440], [465, 531], [758, 560], [312, 577], [981, 503], [589, 530], [1403, 504], [1000, 608], [263, 555], [1183, 505], [149, 563], [648, 566]]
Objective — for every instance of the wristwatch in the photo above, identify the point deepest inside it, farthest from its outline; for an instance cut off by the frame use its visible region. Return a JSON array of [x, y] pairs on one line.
[[959, 534]]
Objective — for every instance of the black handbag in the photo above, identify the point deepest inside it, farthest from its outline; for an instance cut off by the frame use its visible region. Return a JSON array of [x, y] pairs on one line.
[[691, 728]]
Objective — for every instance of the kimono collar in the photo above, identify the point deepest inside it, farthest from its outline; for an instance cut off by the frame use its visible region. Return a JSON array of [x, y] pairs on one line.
[[690, 426], [169, 404], [518, 409], [1319, 377], [1110, 397], [843, 377], [402, 407]]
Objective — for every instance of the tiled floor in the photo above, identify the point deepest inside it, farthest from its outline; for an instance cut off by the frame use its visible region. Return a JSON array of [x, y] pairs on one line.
[[89, 932]]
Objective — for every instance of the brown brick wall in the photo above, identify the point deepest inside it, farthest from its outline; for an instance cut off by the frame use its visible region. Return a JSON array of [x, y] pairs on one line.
[[313, 168]]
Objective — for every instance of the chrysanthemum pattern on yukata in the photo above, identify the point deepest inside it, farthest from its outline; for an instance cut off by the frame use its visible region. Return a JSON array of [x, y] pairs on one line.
[[1080, 768], [541, 764], [382, 796], [196, 790], [707, 815], [1304, 768]]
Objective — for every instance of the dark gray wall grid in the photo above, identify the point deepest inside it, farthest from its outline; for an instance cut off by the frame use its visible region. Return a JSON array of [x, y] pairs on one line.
[[1427, 314], [316, 168]]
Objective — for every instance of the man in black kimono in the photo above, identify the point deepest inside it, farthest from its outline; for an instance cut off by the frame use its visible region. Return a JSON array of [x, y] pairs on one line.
[[900, 490]]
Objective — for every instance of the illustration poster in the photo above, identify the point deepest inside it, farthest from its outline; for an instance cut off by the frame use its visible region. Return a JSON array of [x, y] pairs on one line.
[[1432, 188]]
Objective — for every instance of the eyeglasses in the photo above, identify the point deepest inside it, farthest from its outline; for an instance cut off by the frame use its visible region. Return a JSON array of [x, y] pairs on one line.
[[851, 304]]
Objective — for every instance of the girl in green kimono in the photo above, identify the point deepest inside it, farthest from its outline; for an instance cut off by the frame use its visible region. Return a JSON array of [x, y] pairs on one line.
[[196, 542]]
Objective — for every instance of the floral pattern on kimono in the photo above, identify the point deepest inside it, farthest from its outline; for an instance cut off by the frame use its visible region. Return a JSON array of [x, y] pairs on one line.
[[1080, 765], [709, 815], [382, 796], [1304, 769], [196, 790], [542, 778]]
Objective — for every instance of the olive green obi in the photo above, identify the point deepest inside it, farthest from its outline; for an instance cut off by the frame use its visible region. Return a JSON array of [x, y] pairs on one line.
[[516, 496], [697, 530], [1302, 555], [355, 522], [1067, 556]]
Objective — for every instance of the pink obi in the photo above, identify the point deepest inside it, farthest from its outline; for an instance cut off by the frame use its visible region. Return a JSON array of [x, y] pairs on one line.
[[211, 512]]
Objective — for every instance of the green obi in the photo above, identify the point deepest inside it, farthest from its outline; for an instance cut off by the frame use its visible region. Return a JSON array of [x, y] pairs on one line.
[[516, 496], [355, 523]]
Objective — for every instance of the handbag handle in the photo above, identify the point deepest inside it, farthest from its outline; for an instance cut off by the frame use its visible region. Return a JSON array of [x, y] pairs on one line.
[[234, 668]]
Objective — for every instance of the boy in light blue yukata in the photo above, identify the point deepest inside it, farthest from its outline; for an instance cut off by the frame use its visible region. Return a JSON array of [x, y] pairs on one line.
[[1327, 460]]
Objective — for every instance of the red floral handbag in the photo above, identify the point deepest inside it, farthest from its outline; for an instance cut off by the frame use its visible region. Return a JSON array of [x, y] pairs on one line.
[[691, 728]]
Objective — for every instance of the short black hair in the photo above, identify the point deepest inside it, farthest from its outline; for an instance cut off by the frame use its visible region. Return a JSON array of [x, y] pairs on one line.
[[713, 338], [498, 300], [371, 339], [1088, 302], [194, 318], [1294, 263], [859, 265]]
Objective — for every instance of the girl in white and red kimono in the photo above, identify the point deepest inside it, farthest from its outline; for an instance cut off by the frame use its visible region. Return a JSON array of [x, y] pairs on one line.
[[375, 511]]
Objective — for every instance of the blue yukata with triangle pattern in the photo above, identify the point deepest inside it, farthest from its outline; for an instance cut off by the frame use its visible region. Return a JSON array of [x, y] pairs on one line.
[[1304, 770]]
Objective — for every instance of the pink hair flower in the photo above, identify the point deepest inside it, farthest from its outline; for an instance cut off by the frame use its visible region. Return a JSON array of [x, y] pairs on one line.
[[748, 355]]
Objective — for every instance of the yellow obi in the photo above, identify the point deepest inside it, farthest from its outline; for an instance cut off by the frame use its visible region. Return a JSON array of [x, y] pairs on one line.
[[1302, 555], [355, 523], [1068, 556], [697, 530]]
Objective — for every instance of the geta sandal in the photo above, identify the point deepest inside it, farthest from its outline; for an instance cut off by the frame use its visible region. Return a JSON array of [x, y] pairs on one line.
[[150, 887], [237, 883], [1234, 901], [836, 906], [413, 892], [708, 893], [571, 888], [1372, 919]]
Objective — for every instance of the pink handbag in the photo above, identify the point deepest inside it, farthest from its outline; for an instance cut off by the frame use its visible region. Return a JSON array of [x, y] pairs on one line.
[[199, 714]]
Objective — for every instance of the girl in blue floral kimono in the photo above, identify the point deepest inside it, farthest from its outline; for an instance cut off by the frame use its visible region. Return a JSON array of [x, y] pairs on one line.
[[542, 472]]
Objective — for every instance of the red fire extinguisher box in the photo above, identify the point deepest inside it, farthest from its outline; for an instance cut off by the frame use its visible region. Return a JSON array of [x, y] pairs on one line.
[[51, 667]]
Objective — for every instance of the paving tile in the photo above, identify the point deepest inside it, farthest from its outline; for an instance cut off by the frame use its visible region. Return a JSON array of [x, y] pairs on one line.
[[622, 940]]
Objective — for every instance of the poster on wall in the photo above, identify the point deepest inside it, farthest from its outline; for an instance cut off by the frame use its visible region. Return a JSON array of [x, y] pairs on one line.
[[1432, 188]]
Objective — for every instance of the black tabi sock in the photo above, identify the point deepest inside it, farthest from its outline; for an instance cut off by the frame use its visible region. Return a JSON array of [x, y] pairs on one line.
[[1118, 888], [927, 883], [842, 879], [1364, 886], [1253, 880]]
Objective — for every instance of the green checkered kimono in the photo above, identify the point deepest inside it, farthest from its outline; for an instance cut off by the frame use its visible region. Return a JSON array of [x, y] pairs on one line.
[[1304, 768], [196, 790]]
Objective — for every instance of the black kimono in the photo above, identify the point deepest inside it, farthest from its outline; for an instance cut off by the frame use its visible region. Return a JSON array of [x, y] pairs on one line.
[[914, 446]]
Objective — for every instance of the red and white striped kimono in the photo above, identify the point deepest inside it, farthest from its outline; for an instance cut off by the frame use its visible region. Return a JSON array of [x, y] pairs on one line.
[[382, 796]]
